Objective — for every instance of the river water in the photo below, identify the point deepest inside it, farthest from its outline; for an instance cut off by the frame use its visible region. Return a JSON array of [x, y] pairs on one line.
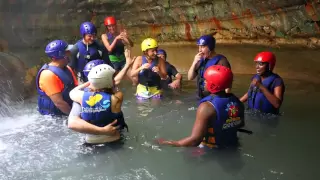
[[39, 147]]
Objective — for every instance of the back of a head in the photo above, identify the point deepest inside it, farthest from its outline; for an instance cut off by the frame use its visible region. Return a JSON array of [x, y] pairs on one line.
[[101, 76], [218, 78], [91, 64]]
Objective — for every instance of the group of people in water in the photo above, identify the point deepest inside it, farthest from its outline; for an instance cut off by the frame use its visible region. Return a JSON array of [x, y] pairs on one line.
[[94, 105]]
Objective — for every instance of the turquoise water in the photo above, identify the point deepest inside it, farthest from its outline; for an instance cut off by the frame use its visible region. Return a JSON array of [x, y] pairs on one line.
[[38, 147]]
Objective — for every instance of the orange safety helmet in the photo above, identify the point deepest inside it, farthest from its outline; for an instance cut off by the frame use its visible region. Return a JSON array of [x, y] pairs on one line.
[[110, 20], [218, 78], [268, 57]]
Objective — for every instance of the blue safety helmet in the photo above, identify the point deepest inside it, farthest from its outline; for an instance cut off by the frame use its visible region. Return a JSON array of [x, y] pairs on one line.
[[57, 49], [161, 51], [88, 28], [87, 68], [207, 40]]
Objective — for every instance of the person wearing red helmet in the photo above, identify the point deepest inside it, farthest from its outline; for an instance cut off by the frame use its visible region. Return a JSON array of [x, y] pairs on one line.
[[219, 115], [267, 89], [115, 43]]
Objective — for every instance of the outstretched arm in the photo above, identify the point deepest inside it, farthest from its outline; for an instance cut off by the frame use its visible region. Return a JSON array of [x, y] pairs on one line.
[[204, 113]]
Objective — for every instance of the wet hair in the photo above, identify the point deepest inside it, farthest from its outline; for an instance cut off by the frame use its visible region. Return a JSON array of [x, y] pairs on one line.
[[106, 90]]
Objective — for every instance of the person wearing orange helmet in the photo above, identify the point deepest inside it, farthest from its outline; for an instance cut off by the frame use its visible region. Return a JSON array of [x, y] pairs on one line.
[[115, 43], [219, 115], [267, 89]]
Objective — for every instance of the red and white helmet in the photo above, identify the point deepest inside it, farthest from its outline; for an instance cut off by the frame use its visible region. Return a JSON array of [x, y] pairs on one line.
[[218, 78], [268, 57]]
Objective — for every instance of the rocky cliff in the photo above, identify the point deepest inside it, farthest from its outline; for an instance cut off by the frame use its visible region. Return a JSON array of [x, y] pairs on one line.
[[26, 26]]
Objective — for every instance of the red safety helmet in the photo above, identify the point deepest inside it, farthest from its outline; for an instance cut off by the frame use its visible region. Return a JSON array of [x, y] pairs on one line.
[[109, 21], [218, 78], [268, 57]]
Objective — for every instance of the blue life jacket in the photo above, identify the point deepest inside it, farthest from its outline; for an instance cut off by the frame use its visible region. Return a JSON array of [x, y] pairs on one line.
[[117, 54], [257, 100], [96, 109], [147, 77], [222, 129], [85, 55], [45, 104], [204, 64]]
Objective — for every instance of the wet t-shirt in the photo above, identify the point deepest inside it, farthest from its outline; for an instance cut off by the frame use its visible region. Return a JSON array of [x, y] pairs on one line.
[[75, 110], [171, 70]]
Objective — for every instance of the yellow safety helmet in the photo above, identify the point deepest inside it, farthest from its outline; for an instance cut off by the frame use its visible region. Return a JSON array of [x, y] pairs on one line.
[[148, 44]]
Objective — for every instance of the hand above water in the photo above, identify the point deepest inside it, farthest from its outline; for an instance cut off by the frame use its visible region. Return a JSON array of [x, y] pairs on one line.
[[162, 141], [110, 129], [129, 60], [124, 33], [175, 84], [197, 57], [120, 36], [145, 66], [256, 82], [155, 69]]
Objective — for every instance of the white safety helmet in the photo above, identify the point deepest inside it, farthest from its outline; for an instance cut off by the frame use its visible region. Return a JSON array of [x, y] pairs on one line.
[[101, 76]]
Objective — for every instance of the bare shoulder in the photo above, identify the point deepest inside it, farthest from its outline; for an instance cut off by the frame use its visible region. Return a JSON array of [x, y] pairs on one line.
[[117, 97], [138, 60], [206, 109], [224, 62]]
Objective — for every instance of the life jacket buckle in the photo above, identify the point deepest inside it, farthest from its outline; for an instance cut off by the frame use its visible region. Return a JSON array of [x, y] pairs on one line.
[[87, 56]]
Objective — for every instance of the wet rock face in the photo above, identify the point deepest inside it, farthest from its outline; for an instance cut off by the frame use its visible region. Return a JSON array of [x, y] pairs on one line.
[[25, 28], [11, 82], [34, 24]]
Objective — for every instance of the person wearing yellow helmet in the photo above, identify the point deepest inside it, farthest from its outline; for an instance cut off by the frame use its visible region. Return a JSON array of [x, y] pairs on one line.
[[149, 69]]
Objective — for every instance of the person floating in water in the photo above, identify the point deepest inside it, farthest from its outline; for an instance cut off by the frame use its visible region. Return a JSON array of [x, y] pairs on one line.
[[219, 115], [267, 89], [150, 69], [205, 58], [97, 132], [171, 71], [115, 43], [87, 49], [55, 80]]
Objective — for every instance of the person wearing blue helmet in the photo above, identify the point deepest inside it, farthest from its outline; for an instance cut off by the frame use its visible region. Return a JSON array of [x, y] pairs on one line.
[[87, 49], [171, 72], [106, 129], [205, 58], [55, 80]]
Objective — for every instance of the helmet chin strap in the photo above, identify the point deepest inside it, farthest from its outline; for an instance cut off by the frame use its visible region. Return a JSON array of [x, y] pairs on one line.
[[209, 54], [147, 56]]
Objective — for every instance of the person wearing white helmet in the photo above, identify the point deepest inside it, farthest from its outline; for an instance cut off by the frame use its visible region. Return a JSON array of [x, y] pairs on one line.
[[99, 103]]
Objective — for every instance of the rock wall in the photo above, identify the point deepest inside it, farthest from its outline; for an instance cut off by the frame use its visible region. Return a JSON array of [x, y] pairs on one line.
[[27, 26]]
